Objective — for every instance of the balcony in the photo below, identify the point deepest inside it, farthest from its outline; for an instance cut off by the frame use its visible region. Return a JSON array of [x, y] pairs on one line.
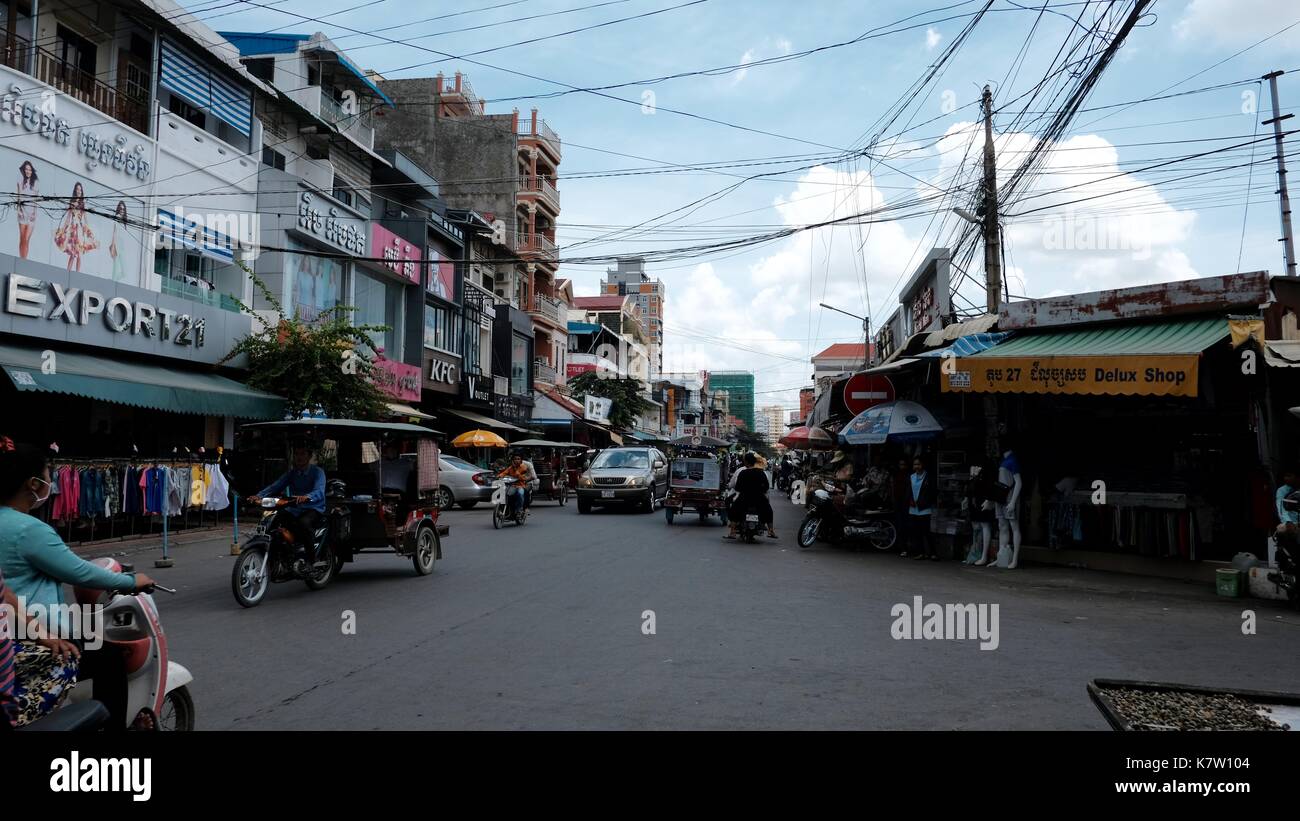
[[536, 245], [457, 96], [349, 125], [535, 129], [542, 188], [543, 372], [79, 85], [318, 174], [198, 293], [551, 310]]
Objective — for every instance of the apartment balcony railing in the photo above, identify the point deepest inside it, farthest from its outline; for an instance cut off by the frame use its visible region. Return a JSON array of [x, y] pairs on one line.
[[550, 308], [543, 372], [526, 243], [541, 132], [78, 84], [197, 293], [458, 86], [482, 301], [352, 125], [542, 187]]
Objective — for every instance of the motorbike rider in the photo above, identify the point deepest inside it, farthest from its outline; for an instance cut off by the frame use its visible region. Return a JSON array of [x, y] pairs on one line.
[[751, 494], [37, 564], [306, 482], [524, 475], [784, 472]]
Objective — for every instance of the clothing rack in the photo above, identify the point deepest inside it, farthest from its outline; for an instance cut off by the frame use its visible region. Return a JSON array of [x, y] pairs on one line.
[[122, 524]]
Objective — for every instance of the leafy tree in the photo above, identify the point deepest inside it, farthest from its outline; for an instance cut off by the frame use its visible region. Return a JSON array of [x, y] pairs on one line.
[[750, 440], [325, 363], [628, 403]]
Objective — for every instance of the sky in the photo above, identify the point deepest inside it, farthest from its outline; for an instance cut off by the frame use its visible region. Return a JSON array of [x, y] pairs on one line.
[[1106, 209]]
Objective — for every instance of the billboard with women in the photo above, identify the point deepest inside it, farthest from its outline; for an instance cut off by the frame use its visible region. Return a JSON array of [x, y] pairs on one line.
[[61, 218]]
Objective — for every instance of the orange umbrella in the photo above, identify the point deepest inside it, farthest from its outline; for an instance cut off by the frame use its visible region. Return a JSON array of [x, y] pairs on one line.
[[479, 439]]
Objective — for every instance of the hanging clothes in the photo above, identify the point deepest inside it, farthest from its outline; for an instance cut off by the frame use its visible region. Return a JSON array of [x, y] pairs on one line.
[[218, 497]]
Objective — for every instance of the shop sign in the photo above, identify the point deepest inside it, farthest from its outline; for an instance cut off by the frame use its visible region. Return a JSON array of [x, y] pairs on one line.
[[925, 297], [38, 118], [401, 258], [477, 389], [67, 305], [441, 373], [331, 226], [397, 379], [573, 369], [1075, 375], [511, 409]]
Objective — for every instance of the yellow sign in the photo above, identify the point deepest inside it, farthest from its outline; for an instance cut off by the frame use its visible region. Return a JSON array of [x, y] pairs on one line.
[[1079, 375]]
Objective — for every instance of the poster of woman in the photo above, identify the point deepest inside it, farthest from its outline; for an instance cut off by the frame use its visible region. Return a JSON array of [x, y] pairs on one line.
[[59, 217], [74, 236], [28, 191], [317, 284]]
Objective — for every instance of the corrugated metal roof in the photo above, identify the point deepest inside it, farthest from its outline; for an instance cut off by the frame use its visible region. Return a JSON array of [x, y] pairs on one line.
[[1147, 338]]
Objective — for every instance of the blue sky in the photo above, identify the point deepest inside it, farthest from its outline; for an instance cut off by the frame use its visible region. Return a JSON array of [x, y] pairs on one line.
[[756, 309]]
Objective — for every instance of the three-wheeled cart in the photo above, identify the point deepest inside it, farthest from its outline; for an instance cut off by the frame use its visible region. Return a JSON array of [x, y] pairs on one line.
[[695, 479]]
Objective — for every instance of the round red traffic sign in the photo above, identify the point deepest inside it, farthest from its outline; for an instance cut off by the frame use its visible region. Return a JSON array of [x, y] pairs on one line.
[[865, 390]]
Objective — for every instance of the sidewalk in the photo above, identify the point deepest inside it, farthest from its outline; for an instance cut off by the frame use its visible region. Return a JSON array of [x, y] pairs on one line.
[[216, 536]]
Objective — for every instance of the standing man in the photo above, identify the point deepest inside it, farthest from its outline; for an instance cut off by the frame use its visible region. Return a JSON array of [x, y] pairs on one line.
[[902, 487], [919, 509], [306, 483]]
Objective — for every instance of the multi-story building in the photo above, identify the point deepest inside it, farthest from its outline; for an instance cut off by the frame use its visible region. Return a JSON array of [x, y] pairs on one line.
[[130, 133], [739, 385], [505, 167], [629, 279], [621, 314], [771, 423], [807, 398], [836, 361]]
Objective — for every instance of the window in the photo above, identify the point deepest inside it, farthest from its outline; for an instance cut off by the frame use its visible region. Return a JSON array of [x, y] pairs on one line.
[[190, 274], [263, 68], [473, 342], [273, 158], [316, 282], [341, 191], [442, 329], [519, 361], [186, 112], [317, 153], [379, 303]]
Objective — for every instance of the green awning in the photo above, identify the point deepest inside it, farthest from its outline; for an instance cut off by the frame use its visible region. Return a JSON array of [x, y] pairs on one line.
[[138, 385], [1184, 336]]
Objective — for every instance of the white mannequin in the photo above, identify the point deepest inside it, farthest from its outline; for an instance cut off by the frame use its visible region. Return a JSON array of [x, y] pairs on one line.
[[1009, 513], [982, 531]]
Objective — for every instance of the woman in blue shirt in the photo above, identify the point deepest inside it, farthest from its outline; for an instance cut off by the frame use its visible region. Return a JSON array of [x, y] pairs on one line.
[[36, 564]]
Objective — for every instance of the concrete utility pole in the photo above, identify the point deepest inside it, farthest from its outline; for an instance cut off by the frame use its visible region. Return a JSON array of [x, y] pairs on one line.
[[992, 238], [1284, 199]]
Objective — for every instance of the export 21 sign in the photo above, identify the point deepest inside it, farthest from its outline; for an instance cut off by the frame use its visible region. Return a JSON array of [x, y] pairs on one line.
[[1174, 375]]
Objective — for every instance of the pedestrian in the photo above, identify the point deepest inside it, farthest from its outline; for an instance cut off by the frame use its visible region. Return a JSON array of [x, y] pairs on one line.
[[902, 497], [1287, 487], [920, 507]]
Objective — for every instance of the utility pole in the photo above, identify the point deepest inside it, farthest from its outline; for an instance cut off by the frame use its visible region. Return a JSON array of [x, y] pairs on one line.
[[1284, 199], [992, 239]]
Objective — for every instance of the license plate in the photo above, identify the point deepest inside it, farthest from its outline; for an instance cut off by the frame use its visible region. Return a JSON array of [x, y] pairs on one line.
[[751, 518], [607, 494]]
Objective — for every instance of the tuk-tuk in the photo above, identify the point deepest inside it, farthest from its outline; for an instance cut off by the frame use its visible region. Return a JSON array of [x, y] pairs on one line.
[[695, 478], [551, 468], [372, 503]]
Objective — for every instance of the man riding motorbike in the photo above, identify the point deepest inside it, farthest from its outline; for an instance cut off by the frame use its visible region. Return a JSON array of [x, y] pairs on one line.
[[750, 484], [525, 476], [307, 484]]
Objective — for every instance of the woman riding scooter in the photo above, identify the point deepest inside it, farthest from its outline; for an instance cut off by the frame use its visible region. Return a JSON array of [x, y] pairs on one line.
[[751, 486], [36, 564]]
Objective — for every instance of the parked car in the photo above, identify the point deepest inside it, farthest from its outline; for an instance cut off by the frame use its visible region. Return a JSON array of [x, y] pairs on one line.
[[462, 483], [624, 476]]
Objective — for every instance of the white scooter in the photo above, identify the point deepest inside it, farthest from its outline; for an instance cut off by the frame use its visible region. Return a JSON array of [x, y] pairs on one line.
[[157, 695]]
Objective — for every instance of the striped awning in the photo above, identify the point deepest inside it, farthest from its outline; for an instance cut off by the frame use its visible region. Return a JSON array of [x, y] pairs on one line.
[[968, 345], [189, 79], [192, 234]]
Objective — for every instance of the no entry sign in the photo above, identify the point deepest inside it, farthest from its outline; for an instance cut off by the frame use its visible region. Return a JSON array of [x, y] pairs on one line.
[[864, 391]]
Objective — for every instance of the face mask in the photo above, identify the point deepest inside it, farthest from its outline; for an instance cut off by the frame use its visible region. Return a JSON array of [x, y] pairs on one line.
[[40, 500]]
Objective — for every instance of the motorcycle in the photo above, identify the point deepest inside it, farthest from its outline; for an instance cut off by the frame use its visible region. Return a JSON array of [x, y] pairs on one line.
[[1287, 575], [829, 521], [158, 695], [501, 504], [271, 555], [750, 527]]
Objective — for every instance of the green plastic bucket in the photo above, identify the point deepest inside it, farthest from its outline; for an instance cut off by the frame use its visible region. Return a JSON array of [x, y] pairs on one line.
[[1228, 582]]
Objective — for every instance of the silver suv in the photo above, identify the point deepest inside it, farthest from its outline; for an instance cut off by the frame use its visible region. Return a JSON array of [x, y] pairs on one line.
[[624, 476]]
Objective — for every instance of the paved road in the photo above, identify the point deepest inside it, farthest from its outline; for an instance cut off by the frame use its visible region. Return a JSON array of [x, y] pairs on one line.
[[540, 627]]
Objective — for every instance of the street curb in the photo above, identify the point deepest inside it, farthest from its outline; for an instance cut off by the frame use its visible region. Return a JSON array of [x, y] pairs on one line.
[[134, 547]]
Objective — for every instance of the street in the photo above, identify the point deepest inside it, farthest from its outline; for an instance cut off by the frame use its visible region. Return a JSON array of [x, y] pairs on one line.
[[541, 627]]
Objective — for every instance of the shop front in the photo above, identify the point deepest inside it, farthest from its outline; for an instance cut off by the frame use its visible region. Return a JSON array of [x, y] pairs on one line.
[[1133, 438]]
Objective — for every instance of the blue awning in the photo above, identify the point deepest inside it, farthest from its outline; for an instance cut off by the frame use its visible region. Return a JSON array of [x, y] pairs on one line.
[[969, 345]]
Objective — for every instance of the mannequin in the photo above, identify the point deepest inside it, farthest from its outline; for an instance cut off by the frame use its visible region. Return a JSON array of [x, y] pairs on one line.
[[1009, 513], [981, 518]]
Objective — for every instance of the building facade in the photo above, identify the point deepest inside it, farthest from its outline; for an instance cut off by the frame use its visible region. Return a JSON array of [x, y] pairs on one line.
[[629, 279]]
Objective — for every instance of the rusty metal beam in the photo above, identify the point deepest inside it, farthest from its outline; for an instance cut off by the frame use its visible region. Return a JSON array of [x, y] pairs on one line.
[[1225, 293]]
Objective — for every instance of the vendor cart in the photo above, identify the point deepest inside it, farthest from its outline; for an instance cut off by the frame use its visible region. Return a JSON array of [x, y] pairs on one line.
[[695, 479]]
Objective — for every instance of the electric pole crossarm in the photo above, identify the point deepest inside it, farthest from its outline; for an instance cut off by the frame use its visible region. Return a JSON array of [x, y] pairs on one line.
[[1284, 198]]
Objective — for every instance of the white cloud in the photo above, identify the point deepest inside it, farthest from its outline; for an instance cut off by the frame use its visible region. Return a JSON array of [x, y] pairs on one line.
[[1237, 23], [770, 47], [932, 39]]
